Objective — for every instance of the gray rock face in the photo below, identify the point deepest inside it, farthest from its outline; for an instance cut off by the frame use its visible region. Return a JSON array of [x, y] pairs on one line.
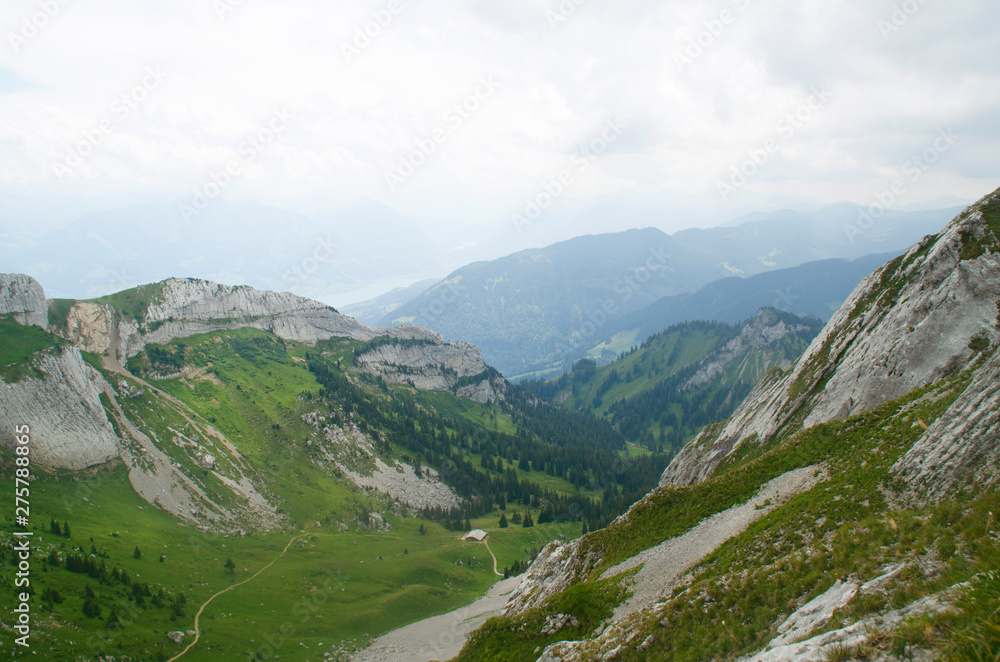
[[553, 571], [960, 448], [187, 307], [485, 391], [906, 326], [69, 427], [24, 298], [430, 366]]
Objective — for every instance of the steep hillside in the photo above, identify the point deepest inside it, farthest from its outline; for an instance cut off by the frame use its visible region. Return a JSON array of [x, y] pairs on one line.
[[849, 514], [924, 316], [663, 392]]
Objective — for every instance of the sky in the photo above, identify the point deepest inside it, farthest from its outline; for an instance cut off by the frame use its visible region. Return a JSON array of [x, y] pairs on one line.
[[473, 110]]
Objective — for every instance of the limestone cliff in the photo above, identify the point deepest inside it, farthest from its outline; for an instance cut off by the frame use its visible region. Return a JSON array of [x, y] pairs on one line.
[[922, 317], [22, 297], [428, 365], [69, 427]]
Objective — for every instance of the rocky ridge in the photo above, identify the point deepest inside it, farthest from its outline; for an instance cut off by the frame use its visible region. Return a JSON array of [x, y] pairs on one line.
[[763, 331], [179, 308], [927, 315]]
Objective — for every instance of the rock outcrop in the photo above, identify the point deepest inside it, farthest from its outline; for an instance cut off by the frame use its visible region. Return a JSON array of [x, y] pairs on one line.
[[96, 328], [960, 448], [182, 307], [69, 426], [23, 297], [922, 317], [426, 364]]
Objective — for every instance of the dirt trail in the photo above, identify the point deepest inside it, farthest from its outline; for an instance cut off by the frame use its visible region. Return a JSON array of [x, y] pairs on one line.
[[197, 617], [663, 566], [495, 571]]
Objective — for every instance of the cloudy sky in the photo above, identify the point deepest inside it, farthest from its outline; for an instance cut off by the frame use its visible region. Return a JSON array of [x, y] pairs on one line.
[[440, 107]]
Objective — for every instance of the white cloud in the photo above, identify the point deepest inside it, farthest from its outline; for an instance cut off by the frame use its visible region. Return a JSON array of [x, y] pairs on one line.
[[354, 119]]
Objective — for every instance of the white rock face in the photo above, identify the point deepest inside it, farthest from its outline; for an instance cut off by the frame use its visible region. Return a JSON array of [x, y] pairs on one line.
[[23, 297], [432, 367], [906, 326], [69, 427], [401, 482]]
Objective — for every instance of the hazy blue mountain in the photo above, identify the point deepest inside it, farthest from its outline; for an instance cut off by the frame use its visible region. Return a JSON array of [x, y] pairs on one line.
[[814, 288], [521, 307], [538, 310], [374, 310]]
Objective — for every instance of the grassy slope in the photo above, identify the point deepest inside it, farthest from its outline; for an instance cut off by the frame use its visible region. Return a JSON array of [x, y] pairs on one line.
[[20, 343], [656, 365], [844, 527]]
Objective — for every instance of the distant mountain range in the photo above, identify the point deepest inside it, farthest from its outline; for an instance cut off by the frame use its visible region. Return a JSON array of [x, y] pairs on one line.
[[538, 310], [814, 288]]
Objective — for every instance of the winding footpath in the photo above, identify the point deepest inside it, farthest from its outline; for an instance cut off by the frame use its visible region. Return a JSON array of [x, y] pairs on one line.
[[197, 629], [495, 572]]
